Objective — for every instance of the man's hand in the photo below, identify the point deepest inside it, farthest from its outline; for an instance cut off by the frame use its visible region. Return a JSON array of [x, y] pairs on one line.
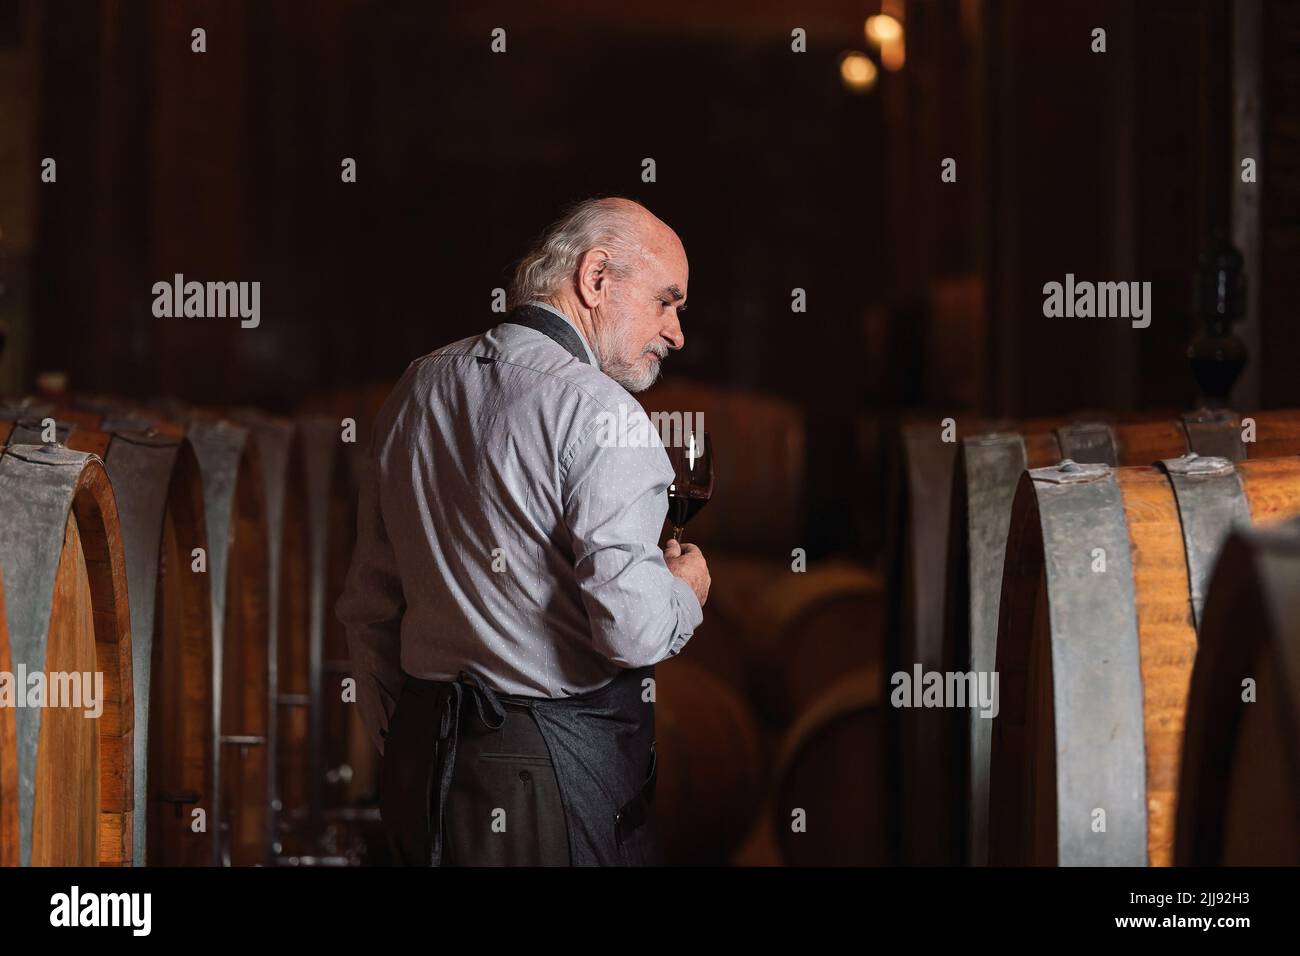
[[686, 561]]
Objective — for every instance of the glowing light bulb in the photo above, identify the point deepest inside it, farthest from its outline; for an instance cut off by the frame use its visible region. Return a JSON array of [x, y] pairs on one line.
[[882, 29], [858, 72]]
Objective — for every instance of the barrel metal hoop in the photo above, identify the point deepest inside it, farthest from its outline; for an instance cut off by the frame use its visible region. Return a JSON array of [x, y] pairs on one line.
[[1211, 502], [141, 475], [1214, 431], [1070, 472], [51, 455], [218, 446], [321, 453], [994, 438], [1096, 673], [1088, 442], [274, 438], [31, 431], [994, 463], [139, 435]]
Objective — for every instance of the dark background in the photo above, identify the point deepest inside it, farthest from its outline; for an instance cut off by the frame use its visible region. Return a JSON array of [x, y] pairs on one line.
[[922, 295]]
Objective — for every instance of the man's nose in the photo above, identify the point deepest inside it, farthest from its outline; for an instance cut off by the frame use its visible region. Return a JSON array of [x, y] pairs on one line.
[[672, 332]]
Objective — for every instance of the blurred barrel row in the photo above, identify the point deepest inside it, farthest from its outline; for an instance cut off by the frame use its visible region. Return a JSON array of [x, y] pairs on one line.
[[191, 556], [1130, 582], [1075, 559], [786, 670]]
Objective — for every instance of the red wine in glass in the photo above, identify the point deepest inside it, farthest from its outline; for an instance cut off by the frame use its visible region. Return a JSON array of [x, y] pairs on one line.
[[692, 485]]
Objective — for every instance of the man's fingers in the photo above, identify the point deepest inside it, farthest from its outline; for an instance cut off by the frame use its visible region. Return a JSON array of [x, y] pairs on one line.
[[690, 549], [673, 548]]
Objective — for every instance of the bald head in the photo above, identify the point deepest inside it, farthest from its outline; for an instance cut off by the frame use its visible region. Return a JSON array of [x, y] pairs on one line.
[[620, 273]]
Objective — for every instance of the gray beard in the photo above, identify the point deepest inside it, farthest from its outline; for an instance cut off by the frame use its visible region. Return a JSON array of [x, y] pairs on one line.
[[612, 340]]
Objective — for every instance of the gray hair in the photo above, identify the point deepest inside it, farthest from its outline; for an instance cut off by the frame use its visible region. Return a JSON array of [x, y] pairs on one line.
[[610, 222]]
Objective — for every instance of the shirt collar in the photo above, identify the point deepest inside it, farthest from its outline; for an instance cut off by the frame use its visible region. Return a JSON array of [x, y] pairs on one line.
[[550, 308]]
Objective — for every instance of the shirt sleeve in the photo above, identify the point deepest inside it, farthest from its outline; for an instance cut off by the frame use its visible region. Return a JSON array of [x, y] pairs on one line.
[[371, 609], [615, 501]]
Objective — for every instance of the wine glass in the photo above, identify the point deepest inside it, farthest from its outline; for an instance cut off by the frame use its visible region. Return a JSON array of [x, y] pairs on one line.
[[692, 485]]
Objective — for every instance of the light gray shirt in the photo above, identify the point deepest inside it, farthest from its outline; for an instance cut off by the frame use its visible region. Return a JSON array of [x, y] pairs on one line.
[[509, 519]]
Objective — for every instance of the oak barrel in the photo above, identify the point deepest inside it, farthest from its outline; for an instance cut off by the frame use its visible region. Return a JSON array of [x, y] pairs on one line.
[[1104, 583], [288, 597], [1239, 789], [759, 448], [830, 806], [159, 498], [62, 560], [239, 582], [707, 792], [924, 749], [343, 762], [987, 469], [781, 635]]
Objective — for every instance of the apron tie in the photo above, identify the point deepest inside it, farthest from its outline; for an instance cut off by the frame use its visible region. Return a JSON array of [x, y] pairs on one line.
[[449, 733]]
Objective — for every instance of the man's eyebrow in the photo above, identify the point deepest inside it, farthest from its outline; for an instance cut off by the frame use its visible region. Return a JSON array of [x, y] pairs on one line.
[[672, 292]]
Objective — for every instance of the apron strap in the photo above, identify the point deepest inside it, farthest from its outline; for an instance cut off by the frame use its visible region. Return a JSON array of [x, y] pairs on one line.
[[448, 735], [552, 326]]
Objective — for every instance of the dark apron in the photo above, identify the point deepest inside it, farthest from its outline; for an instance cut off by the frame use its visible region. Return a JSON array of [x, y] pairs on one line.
[[540, 781]]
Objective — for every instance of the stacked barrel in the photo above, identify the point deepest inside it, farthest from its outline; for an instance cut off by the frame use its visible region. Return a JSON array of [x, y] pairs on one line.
[[1078, 557], [62, 561], [189, 559], [161, 550], [784, 759], [1239, 786]]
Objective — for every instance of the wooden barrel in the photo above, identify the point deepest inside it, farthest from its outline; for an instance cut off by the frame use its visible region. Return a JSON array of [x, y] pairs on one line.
[[1239, 789], [344, 762], [326, 766], [783, 636], [62, 561], [237, 561], [987, 468], [285, 483], [180, 750], [349, 762], [830, 804], [159, 498], [343, 425], [358, 406], [723, 644], [922, 753], [708, 779], [1104, 582], [758, 446]]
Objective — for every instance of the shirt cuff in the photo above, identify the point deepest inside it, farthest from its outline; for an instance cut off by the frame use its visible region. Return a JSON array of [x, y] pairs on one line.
[[689, 615]]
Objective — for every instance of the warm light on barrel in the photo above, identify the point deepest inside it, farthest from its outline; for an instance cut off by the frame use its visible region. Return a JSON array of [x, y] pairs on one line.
[[858, 72]]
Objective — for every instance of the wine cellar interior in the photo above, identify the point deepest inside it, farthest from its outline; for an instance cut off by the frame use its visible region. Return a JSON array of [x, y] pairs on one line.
[[988, 332]]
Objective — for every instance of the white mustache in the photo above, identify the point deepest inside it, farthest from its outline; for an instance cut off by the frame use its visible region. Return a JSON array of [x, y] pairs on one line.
[[657, 349]]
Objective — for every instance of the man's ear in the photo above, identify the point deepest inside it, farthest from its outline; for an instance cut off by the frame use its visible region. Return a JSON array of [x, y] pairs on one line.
[[593, 277]]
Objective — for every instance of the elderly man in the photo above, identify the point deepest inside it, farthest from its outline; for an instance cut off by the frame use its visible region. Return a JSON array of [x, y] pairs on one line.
[[508, 600]]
